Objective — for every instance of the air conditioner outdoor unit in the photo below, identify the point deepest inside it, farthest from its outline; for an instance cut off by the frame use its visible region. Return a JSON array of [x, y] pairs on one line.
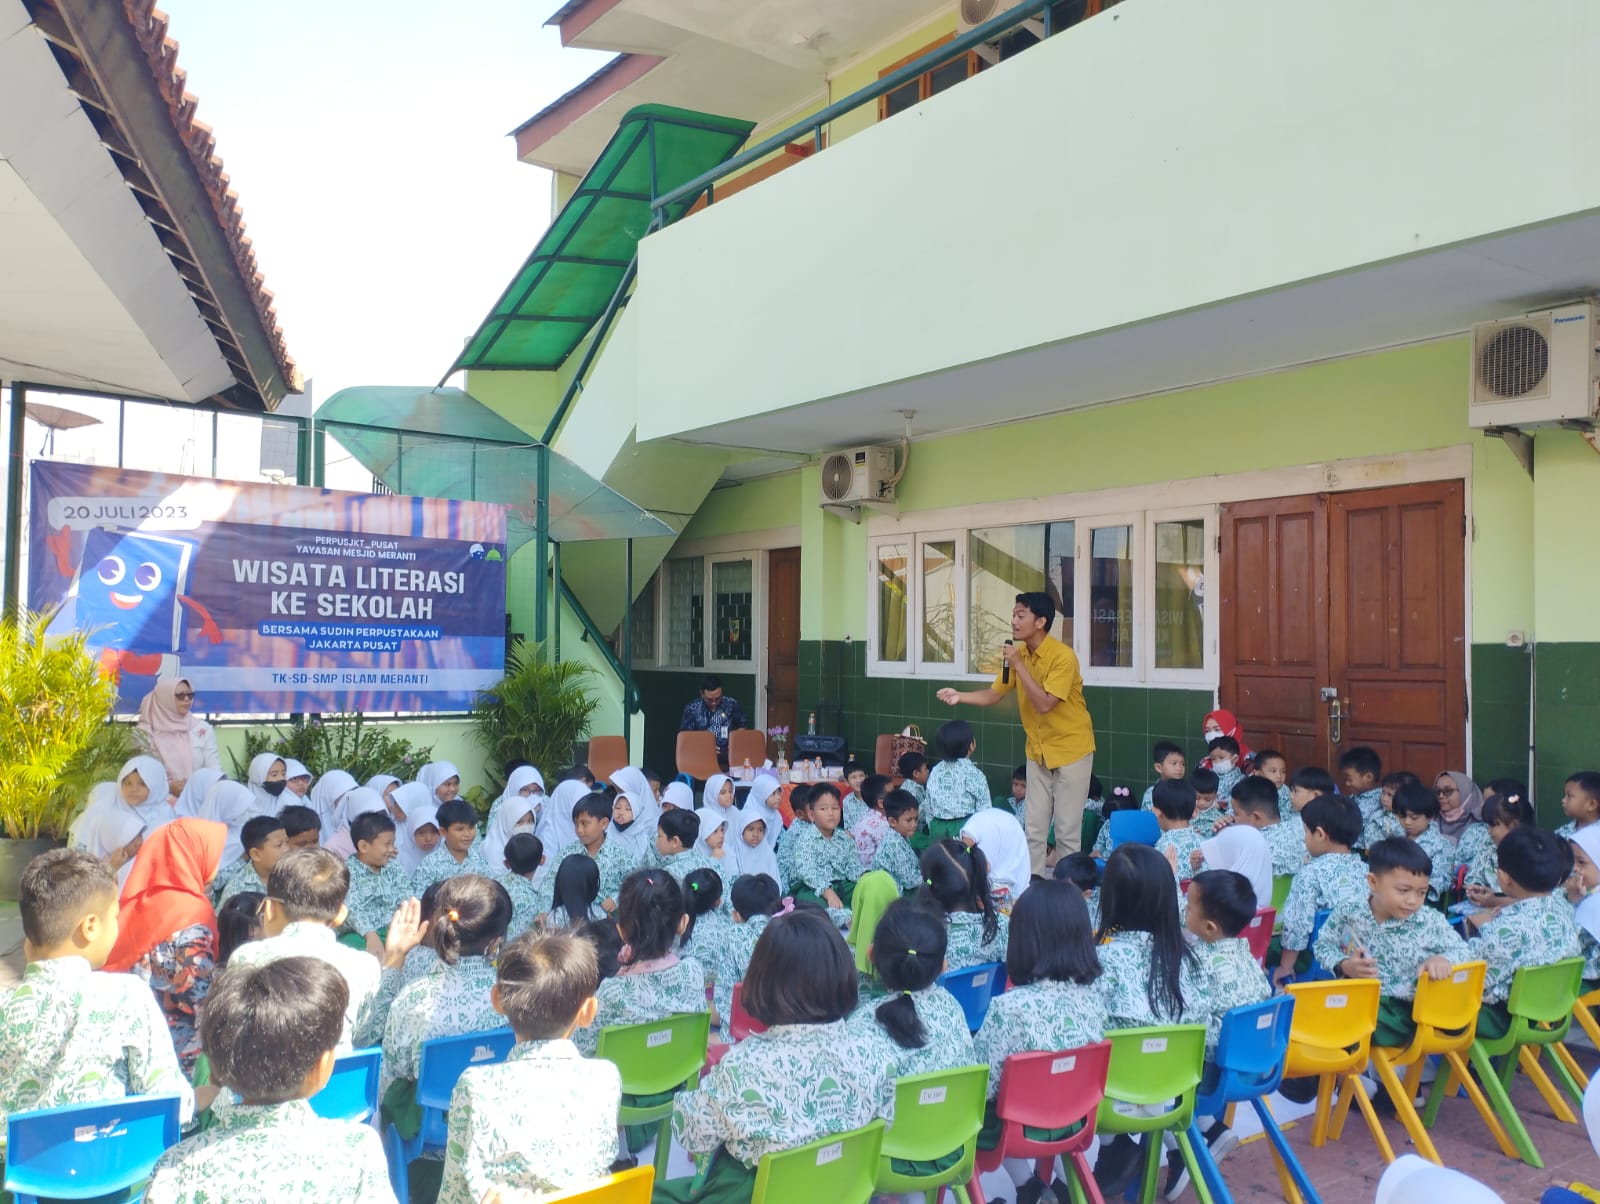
[[1540, 369], [973, 13], [862, 474]]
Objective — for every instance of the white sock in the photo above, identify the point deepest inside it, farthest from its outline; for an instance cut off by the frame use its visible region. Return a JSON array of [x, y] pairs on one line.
[[1020, 1170]]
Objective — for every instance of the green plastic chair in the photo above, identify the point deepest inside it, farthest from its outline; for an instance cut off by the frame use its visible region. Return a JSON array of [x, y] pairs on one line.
[[1151, 1067], [936, 1116], [1541, 1003], [839, 1168], [656, 1061], [1280, 895]]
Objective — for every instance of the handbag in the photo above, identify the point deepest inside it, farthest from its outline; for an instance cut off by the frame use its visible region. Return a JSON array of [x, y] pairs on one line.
[[908, 741]]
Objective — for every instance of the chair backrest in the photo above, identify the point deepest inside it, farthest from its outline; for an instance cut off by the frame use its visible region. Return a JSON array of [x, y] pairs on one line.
[[883, 755], [1258, 933], [607, 754], [1446, 1011], [1280, 890], [1546, 995], [1335, 1015], [935, 1113], [1253, 1045], [1134, 827], [444, 1058], [628, 1187], [1155, 1065], [659, 1056], [740, 1022], [697, 755], [747, 743], [973, 989], [1054, 1090], [81, 1151], [841, 1167], [351, 1092]]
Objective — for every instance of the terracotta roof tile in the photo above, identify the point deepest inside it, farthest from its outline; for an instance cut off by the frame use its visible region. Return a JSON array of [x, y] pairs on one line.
[[150, 26]]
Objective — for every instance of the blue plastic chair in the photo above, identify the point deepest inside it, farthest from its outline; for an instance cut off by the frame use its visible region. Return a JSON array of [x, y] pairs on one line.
[[1250, 1057], [973, 988], [83, 1151], [351, 1092], [443, 1060], [1318, 971], [1134, 827]]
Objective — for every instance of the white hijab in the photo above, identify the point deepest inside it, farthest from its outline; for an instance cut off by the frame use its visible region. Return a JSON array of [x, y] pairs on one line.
[[194, 792], [728, 863], [326, 797], [708, 796], [632, 782], [1243, 849], [640, 838], [156, 811], [1005, 847], [256, 779], [763, 859], [555, 825], [1414, 1180], [232, 804], [357, 802], [381, 782], [293, 769], [415, 799], [1588, 912], [108, 824], [435, 774], [508, 809], [679, 794]]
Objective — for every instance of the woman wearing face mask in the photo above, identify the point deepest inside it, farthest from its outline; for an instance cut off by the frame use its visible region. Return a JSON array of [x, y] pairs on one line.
[[266, 782], [516, 810], [1223, 723]]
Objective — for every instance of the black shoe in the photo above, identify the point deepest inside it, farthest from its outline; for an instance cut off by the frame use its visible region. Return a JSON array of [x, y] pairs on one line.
[[1221, 1141], [1177, 1176], [624, 1164], [1117, 1166], [1030, 1191], [1061, 1191], [1299, 1091]]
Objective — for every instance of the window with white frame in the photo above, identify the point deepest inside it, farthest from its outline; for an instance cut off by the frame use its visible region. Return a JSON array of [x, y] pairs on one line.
[[1129, 590], [700, 612]]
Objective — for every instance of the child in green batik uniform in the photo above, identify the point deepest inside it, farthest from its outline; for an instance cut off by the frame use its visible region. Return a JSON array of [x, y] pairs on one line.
[[1393, 936], [1534, 929], [1170, 766], [1360, 774], [923, 1027], [545, 1119], [1255, 805], [755, 899], [1503, 812], [458, 852], [272, 1146], [74, 1035], [264, 841], [378, 882], [652, 981], [825, 864], [895, 856], [1580, 802], [790, 838], [1583, 892], [523, 855], [956, 881], [591, 817], [1174, 807], [1209, 805], [710, 925], [1225, 756], [1274, 766], [1417, 809], [1332, 878], [809, 1075], [677, 851], [956, 787]]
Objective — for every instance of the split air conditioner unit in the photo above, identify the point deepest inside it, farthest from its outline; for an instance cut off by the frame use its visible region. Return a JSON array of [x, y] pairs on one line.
[[973, 13], [1540, 369], [862, 474]]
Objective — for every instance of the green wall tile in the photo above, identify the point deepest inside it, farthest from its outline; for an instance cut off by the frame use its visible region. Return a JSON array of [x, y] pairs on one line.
[[1566, 719]]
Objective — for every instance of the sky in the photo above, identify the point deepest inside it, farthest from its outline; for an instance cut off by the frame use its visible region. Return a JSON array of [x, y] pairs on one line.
[[368, 143]]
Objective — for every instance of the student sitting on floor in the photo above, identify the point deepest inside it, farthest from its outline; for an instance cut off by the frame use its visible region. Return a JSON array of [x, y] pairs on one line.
[[1360, 774], [272, 1034], [1534, 929], [825, 863], [1210, 806], [1274, 766], [1417, 809], [1392, 936], [264, 840], [1083, 872], [895, 855], [71, 1034], [545, 1119], [458, 851], [1170, 766], [378, 882]]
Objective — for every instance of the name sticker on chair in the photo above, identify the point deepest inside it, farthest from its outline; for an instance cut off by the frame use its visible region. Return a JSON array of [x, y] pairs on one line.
[[483, 1053], [1063, 1065], [661, 1037], [931, 1095], [85, 1132], [1459, 977], [1336, 1001], [979, 980], [830, 1153], [1264, 1021], [1154, 1045], [1256, 923]]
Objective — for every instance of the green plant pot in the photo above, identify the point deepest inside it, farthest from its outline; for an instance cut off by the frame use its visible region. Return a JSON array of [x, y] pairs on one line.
[[14, 857]]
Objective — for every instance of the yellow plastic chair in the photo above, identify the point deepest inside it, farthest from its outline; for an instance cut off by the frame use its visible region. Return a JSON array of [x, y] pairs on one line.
[[1583, 1013], [1331, 1038], [630, 1187], [1446, 1016]]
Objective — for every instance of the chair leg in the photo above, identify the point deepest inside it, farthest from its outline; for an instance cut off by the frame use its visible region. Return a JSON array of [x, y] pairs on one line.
[[663, 1149], [1587, 1022], [1209, 1167], [1370, 1115], [1444, 1086], [975, 1189], [1080, 1180], [1403, 1107], [1349, 1086], [1528, 1058], [1520, 1145], [1574, 1072], [1150, 1177], [399, 1172], [1203, 1173], [1292, 1177]]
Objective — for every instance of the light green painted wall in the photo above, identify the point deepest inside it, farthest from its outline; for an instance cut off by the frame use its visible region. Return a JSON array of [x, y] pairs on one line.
[[864, 74], [757, 505], [1566, 574]]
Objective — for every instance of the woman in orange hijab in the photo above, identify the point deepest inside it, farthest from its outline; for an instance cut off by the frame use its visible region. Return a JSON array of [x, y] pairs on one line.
[[167, 928]]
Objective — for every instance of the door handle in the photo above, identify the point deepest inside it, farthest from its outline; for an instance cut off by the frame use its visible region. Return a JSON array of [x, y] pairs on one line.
[[1338, 712]]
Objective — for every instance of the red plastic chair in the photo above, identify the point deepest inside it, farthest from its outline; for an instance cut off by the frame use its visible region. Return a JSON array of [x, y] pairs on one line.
[[1055, 1090], [1258, 932], [740, 1022]]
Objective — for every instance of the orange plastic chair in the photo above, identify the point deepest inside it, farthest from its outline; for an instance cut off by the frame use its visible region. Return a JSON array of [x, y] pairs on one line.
[[629, 1187], [1446, 1015], [883, 755], [747, 744], [1331, 1038], [697, 755], [1258, 934], [607, 754]]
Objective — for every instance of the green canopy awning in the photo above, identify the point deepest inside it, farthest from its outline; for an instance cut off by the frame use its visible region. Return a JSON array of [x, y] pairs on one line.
[[567, 282], [446, 443]]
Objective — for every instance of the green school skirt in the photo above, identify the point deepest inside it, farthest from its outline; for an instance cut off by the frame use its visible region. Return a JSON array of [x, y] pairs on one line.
[[989, 1135], [945, 829], [729, 1182], [1395, 1026], [845, 890], [1494, 1021]]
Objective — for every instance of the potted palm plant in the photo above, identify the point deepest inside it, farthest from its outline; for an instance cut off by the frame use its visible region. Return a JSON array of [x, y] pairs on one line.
[[538, 713], [56, 739]]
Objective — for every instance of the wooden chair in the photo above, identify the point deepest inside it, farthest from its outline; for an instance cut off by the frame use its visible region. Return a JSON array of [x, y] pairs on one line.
[[883, 755], [607, 754], [696, 755], [747, 743]]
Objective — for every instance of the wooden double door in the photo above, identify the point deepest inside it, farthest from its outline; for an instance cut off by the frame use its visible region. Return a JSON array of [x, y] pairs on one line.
[[1343, 624]]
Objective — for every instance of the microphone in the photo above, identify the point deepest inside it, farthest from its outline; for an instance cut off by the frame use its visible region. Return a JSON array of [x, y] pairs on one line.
[[1005, 668]]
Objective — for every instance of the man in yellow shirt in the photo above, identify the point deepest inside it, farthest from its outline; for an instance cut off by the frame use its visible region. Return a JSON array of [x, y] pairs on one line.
[[1060, 745]]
